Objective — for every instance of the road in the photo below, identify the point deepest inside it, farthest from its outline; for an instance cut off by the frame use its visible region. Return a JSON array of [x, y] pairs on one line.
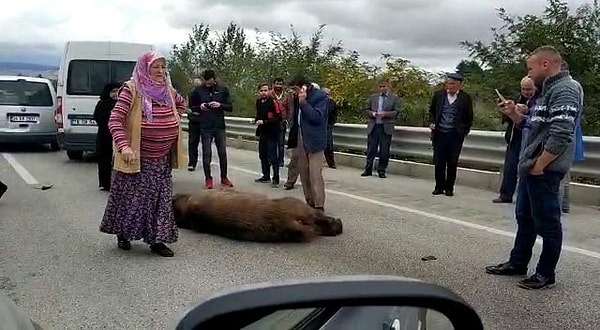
[[67, 275]]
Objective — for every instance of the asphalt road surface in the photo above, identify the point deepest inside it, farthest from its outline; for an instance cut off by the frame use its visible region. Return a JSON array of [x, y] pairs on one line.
[[67, 275]]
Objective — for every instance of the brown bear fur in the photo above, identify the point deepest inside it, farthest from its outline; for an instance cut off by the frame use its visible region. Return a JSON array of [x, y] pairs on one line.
[[252, 217]]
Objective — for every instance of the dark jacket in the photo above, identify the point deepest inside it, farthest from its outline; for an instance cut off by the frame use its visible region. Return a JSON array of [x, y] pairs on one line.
[[102, 114], [464, 113], [213, 118], [269, 111], [313, 121], [332, 112]]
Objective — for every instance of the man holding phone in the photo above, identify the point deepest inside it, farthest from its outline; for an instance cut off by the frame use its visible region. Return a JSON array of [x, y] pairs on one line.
[[547, 155], [513, 136], [209, 102], [308, 138]]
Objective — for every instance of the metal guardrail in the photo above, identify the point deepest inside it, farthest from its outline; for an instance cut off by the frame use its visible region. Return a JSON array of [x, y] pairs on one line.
[[482, 150]]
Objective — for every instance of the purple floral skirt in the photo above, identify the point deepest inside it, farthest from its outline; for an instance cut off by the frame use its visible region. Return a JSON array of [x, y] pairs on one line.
[[139, 204]]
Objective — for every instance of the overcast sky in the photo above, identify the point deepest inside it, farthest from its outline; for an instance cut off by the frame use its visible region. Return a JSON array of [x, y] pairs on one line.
[[426, 32]]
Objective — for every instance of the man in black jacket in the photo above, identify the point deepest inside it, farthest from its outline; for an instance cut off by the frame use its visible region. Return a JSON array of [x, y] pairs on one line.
[[208, 103], [451, 118], [193, 129], [513, 136], [332, 114]]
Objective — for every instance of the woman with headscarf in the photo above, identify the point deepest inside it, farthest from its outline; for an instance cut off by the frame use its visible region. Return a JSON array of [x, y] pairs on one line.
[[104, 149], [148, 142]]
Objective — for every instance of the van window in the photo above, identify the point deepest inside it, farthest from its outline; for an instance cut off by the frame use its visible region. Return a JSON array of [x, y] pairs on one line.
[[88, 77], [25, 93]]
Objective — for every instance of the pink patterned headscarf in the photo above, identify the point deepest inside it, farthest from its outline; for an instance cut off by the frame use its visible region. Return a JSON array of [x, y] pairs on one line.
[[149, 88]]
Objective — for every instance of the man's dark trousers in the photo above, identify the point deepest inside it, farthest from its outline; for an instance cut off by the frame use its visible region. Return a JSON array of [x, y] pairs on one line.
[[268, 155], [281, 143], [378, 138], [538, 212], [207, 135], [329, 151], [193, 143], [446, 152], [509, 173]]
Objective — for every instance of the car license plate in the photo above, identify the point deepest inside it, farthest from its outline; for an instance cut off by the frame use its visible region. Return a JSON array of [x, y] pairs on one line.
[[83, 122], [23, 119]]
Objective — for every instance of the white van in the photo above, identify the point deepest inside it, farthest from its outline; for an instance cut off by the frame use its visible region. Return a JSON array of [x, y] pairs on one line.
[[85, 68], [27, 106]]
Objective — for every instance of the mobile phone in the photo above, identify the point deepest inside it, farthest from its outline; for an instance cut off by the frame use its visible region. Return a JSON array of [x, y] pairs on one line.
[[502, 98]]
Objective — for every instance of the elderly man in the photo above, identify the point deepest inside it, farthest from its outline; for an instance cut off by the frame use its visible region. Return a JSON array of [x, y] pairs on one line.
[[451, 118], [513, 136], [308, 138], [547, 155]]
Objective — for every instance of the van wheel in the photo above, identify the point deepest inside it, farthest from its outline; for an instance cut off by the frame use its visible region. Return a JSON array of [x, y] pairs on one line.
[[54, 146], [75, 155]]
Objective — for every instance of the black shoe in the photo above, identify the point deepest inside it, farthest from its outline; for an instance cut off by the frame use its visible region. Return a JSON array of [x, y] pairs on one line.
[[449, 193], [191, 168], [263, 179], [437, 192], [536, 282], [366, 173], [501, 200], [288, 186], [123, 244], [506, 269], [275, 181], [3, 188], [161, 249], [382, 175]]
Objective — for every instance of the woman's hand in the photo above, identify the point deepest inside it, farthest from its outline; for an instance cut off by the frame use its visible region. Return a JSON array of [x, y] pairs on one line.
[[129, 155]]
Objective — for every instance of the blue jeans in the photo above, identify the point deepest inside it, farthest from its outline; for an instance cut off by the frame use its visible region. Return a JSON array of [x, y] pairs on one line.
[[538, 212]]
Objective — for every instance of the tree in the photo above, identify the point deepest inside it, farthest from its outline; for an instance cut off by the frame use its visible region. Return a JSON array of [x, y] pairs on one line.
[[576, 35]]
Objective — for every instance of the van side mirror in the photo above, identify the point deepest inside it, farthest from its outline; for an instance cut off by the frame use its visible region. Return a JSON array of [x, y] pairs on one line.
[[344, 302]]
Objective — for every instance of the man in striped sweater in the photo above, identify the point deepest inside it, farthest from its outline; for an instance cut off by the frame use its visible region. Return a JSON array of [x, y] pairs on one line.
[[547, 155]]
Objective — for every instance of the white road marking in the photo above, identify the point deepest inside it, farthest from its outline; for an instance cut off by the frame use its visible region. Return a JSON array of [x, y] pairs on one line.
[[20, 169], [495, 231]]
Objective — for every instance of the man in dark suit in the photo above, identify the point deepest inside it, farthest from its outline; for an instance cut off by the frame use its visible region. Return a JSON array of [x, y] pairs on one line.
[[382, 109], [451, 118]]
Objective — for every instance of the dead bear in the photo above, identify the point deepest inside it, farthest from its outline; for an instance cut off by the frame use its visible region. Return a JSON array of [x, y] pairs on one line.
[[252, 217]]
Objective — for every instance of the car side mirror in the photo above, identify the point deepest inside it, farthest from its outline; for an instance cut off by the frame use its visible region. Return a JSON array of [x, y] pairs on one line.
[[344, 302]]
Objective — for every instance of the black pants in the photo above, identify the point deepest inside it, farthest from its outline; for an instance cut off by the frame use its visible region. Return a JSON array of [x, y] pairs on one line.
[[509, 173], [104, 153], [269, 155], [329, 151], [193, 143], [281, 143], [207, 136], [378, 139], [446, 151]]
